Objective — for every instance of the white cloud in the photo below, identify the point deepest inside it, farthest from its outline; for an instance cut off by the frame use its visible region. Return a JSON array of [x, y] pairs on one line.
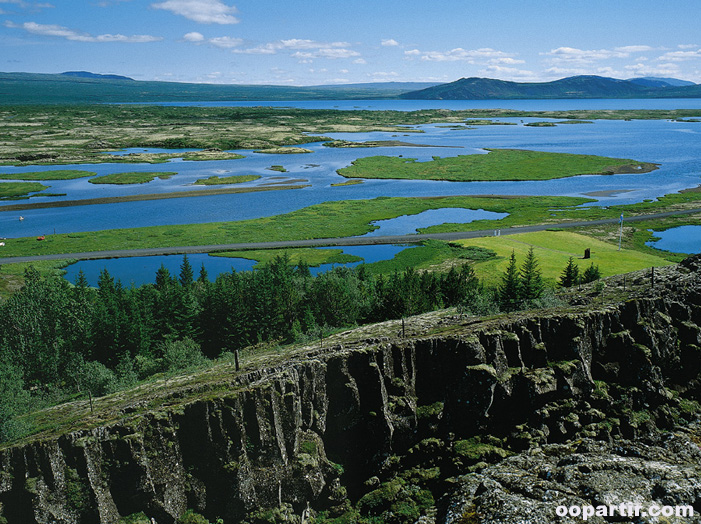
[[202, 11], [687, 46], [506, 61], [634, 49], [571, 55], [680, 56], [641, 69], [471, 56], [511, 73], [389, 42], [305, 50], [77, 36], [383, 75], [194, 37], [225, 42], [360, 61], [32, 6]]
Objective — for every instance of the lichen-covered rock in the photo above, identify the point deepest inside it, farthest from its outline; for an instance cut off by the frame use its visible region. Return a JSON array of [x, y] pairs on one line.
[[529, 488]]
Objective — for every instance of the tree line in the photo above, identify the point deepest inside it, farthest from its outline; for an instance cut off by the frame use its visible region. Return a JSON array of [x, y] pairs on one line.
[[58, 339]]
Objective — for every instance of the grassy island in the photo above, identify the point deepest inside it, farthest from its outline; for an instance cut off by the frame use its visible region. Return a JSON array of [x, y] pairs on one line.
[[19, 189], [497, 165]]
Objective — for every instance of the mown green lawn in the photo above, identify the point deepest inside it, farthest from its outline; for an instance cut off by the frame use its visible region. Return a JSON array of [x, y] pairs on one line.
[[553, 249]]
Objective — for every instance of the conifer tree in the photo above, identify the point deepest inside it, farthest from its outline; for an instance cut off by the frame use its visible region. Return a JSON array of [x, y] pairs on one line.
[[203, 278], [509, 291], [591, 274], [186, 273], [570, 275], [532, 285]]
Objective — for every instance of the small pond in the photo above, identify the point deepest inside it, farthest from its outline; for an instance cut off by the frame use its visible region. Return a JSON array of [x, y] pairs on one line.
[[682, 239]]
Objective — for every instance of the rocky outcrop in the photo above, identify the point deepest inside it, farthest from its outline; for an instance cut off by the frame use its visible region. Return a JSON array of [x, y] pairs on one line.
[[330, 429]]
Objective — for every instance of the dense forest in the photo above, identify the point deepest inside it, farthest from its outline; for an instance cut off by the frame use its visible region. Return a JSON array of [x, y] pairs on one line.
[[59, 340]]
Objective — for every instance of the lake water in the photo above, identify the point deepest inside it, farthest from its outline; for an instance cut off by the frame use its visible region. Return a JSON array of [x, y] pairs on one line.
[[676, 146], [142, 270], [682, 239], [408, 224], [416, 105]]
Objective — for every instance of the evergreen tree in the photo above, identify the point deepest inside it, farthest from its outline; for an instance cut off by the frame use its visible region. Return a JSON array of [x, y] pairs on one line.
[[509, 291], [570, 275], [203, 277], [81, 281], [532, 285], [186, 273], [591, 274]]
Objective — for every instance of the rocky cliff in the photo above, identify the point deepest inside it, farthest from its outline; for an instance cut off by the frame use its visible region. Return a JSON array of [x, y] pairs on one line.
[[379, 425]]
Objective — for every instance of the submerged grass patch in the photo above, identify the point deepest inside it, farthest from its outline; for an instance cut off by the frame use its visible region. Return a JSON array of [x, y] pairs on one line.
[[60, 174], [310, 256], [219, 181], [498, 164], [136, 177]]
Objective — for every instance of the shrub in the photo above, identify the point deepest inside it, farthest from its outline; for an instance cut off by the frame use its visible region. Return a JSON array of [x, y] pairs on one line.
[[181, 354]]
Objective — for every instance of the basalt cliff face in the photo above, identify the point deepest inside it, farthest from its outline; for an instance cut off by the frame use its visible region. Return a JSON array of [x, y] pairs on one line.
[[400, 428]]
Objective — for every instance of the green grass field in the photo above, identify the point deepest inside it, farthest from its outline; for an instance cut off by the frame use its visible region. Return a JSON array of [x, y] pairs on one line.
[[136, 177], [219, 181], [553, 249], [60, 174], [498, 164]]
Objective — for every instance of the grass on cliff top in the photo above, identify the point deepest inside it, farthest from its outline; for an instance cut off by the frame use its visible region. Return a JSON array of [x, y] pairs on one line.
[[219, 181], [553, 249], [136, 177], [59, 174], [498, 164], [19, 189]]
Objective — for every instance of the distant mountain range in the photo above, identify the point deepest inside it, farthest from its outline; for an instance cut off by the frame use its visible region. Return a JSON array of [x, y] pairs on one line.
[[81, 87], [572, 87]]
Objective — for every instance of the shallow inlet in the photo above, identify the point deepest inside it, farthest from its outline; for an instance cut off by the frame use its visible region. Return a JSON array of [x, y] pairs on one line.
[[682, 239]]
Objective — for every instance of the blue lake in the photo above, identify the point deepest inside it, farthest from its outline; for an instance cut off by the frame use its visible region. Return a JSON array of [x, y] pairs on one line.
[[682, 239], [142, 270], [676, 146], [416, 105]]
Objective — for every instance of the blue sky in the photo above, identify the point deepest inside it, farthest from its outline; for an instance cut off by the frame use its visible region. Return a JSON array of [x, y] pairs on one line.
[[312, 42]]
